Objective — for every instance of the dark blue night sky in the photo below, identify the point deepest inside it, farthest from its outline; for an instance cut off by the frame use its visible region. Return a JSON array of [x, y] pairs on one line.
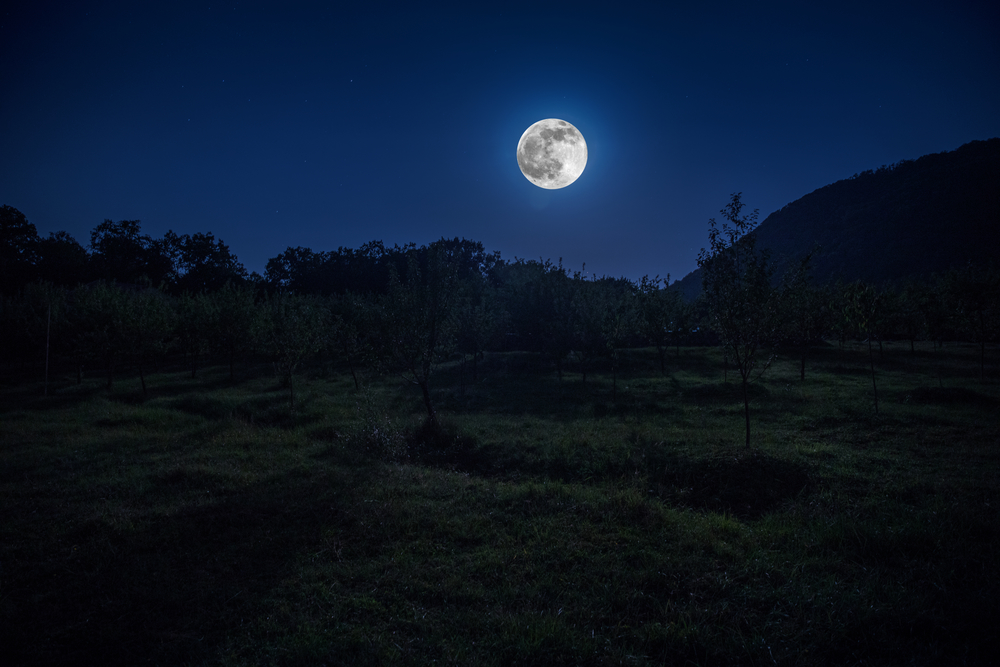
[[305, 124]]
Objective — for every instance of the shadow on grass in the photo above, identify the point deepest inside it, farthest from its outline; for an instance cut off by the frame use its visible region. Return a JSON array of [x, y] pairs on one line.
[[724, 392], [857, 370], [746, 486], [164, 589], [528, 384], [29, 393], [950, 396], [441, 444], [32, 397], [263, 408]]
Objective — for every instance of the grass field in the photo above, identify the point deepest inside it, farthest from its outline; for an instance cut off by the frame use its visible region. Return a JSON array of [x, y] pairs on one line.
[[544, 523]]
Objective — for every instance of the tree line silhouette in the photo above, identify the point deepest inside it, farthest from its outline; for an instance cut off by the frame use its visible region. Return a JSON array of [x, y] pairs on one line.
[[132, 301]]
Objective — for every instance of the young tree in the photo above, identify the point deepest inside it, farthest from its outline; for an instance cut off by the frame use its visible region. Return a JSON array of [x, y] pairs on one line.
[[587, 320], [863, 308], [664, 317], [908, 316], [144, 318], [353, 325], [607, 317], [537, 300], [806, 313], [558, 314], [477, 319], [235, 321], [415, 318], [935, 312], [19, 327], [32, 323], [193, 324], [621, 319], [736, 284], [974, 294], [294, 329], [54, 299], [97, 318]]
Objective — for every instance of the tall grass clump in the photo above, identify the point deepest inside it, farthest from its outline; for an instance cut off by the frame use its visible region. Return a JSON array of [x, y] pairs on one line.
[[376, 433]]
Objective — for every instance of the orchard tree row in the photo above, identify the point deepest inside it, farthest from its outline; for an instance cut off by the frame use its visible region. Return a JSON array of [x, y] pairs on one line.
[[136, 302]]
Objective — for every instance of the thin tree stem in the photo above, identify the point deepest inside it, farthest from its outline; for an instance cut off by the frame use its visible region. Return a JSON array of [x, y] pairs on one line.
[[871, 360]]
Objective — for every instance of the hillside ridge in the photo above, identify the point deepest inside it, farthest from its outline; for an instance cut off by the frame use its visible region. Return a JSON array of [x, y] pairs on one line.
[[908, 220]]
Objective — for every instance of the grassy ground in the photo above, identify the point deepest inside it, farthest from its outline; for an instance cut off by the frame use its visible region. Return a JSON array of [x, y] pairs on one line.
[[545, 523]]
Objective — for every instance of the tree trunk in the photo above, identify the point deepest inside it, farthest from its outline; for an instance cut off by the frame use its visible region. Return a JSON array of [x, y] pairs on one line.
[[746, 412], [871, 360], [614, 381], [350, 365], [48, 330], [802, 368], [426, 391], [940, 369], [142, 379], [982, 360]]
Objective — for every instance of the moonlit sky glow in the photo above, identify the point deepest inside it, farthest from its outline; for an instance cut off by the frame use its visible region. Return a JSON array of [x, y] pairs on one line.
[[307, 124]]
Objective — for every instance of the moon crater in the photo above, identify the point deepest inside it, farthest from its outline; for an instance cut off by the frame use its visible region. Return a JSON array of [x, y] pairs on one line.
[[552, 153]]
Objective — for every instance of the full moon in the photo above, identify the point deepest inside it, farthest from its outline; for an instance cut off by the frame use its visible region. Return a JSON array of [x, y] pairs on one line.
[[552, 153]]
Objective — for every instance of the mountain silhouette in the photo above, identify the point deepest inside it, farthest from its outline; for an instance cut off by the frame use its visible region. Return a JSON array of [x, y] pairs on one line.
[[907, 220]]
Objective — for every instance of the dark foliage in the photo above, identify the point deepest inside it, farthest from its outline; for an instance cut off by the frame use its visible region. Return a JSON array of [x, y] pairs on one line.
[[120, 253], [377, 302], [61, 260], [18, 239]]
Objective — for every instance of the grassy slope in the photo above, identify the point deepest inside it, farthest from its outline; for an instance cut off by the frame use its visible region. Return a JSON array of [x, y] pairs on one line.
[[548, 524]]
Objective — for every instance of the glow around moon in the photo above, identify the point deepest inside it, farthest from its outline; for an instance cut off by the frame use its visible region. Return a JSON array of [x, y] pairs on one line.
[[552, 153]]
